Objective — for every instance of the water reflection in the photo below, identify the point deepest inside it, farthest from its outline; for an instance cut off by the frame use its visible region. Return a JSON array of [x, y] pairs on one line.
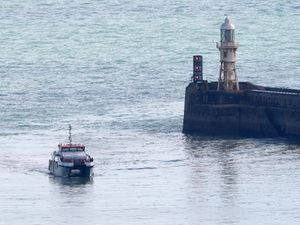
[[70, 188], [214, 167], [71, 181], [228, 173], [70, 198]]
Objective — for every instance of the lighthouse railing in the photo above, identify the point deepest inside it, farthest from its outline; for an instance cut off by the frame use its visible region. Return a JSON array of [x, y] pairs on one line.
[[227, 45]]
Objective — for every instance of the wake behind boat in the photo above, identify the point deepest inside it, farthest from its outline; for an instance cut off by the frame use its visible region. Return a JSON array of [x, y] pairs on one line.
[[71, 160]]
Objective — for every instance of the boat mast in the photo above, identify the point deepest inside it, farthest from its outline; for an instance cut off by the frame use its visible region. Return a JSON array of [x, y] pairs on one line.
[[70, 134]]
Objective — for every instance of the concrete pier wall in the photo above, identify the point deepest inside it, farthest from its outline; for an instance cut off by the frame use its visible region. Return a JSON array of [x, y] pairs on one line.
[[253, 111]]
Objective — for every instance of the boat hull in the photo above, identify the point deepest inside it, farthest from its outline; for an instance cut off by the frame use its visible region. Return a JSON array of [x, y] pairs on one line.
[[67, 171]]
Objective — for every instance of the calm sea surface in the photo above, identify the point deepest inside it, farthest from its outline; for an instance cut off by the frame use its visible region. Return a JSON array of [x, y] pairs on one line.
[[117, 71]]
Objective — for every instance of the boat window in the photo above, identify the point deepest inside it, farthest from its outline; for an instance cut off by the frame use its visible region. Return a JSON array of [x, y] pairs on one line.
[[74, 149]]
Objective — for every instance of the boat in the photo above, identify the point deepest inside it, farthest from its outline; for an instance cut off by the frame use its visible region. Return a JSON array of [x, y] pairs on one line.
[[71, 160]]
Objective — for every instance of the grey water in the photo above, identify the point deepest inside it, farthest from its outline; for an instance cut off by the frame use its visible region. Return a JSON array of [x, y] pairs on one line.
[[117, 71]]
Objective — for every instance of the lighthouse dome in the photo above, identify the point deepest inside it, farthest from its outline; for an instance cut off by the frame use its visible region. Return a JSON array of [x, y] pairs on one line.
[[227, 25]]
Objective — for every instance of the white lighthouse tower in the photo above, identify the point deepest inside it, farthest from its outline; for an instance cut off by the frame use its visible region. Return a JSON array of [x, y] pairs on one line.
[[227, 79]]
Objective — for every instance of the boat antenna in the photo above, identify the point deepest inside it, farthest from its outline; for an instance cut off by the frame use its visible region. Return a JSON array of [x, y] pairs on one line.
[[70, 134]]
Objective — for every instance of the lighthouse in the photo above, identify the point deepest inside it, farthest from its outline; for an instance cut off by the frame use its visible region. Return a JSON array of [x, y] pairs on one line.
[[227, 77]]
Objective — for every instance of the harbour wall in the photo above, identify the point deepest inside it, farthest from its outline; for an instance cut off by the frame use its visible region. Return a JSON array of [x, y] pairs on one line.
[[253, 111]]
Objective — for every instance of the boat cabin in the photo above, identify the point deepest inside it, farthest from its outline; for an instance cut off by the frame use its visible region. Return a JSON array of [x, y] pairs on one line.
[[71, 147]]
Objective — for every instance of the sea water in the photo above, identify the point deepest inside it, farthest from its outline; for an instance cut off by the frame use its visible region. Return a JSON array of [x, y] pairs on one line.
[[117, 71]]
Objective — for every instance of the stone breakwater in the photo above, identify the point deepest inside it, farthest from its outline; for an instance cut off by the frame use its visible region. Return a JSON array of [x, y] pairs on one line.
[[252, 111]]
